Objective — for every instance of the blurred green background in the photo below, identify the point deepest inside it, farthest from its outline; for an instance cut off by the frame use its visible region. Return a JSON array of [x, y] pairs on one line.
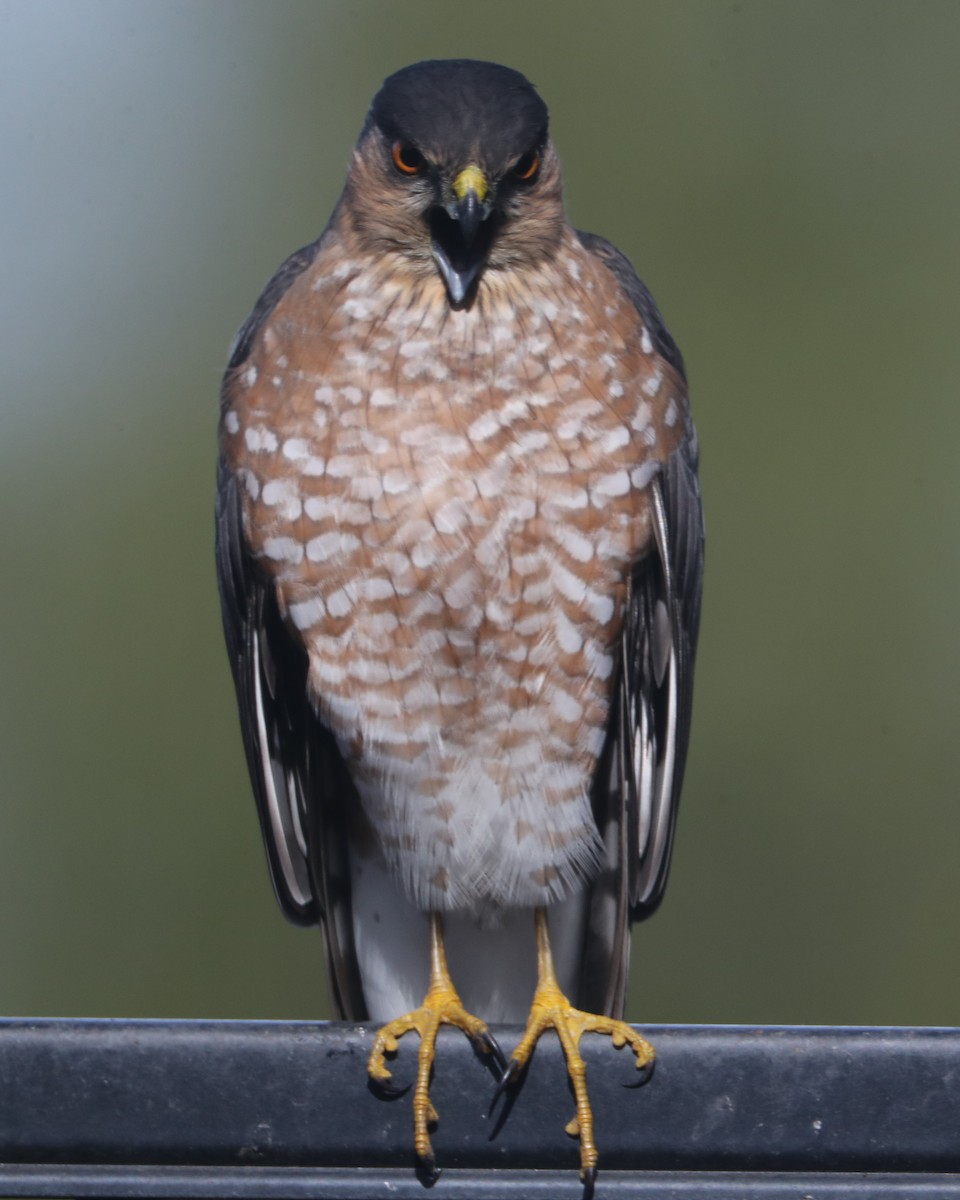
[[787, 179]]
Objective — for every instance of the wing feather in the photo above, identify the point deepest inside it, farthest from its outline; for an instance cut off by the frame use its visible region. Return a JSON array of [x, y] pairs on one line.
[[276, 762], [640, 772], [301, 785]]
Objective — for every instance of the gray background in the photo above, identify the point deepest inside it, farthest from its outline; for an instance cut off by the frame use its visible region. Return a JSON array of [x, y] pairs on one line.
[[786, 178]]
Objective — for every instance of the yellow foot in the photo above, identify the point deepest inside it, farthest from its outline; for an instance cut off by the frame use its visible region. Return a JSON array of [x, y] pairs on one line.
[[441, 1006], [552, 1010]]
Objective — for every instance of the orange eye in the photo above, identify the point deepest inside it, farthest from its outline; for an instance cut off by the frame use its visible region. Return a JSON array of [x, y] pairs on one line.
[[407, 159], [526, 167]]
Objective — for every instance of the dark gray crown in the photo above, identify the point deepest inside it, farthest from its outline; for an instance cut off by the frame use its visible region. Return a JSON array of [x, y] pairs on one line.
[[458, 110]]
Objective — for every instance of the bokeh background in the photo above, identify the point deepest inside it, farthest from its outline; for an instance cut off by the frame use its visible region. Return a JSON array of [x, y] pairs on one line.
[[786, 178]]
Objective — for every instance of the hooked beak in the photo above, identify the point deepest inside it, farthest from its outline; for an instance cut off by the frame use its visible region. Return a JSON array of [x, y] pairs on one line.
[[461, 236], [469, 212]]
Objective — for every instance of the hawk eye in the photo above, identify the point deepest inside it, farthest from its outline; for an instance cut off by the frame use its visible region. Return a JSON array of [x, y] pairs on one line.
[[526, 166], [407, 159]]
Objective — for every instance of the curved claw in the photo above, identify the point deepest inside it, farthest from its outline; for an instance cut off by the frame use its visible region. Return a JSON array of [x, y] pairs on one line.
[[646, 1074], [509, 1077], [427, 1171], [388, 1089], [488, 1044], [589, 1179]]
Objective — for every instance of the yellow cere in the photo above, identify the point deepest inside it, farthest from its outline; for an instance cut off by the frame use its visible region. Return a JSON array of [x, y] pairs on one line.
[[471, 179]]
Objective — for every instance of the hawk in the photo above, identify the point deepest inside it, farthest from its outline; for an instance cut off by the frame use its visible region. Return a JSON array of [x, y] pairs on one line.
[[459, 549]]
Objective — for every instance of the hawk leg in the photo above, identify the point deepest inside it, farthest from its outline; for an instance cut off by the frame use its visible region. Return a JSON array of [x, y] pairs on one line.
[[441, 1006], [551, 1009]]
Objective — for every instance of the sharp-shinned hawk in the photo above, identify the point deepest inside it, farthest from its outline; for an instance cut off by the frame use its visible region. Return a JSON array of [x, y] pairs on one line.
[[460, 548]]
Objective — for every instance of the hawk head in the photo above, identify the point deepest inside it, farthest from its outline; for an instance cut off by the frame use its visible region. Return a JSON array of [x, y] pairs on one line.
[[455, 173]]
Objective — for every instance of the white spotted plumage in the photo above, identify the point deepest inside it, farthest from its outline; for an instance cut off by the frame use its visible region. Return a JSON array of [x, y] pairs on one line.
[[516, 587], [449, 516]]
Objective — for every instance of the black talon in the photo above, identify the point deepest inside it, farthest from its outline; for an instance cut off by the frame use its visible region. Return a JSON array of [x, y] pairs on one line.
[[490, 1045], [509, 1077], [427, 1171], [646, 1074], [387, 1089], [589, 1179]]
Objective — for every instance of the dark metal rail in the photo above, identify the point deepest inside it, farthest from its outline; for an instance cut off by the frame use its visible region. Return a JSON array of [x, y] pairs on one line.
[[237, 1109]]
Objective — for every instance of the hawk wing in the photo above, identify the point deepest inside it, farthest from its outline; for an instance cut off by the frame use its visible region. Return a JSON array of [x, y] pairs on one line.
[[640, 773], [299, 780]]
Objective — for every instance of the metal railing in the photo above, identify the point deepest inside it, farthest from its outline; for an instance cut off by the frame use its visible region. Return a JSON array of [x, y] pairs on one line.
[[237, 1109]]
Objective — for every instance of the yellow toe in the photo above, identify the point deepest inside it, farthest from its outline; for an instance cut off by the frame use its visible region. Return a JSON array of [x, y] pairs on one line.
[[441, 1006], [552, 1010]]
